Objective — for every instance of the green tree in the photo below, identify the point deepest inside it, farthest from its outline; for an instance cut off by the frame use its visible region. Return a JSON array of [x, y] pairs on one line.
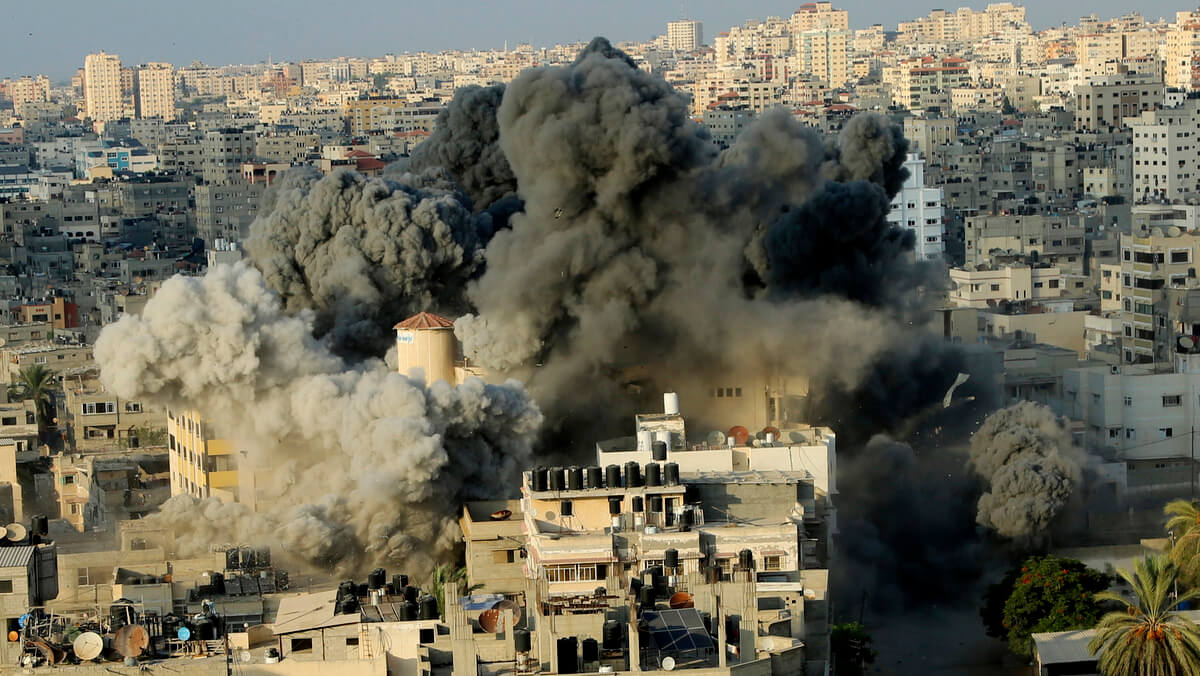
[[851, 647], [442, 576], [1183, 527], [1049, 594], [1148, 638], [36, 383], [1006, 107]]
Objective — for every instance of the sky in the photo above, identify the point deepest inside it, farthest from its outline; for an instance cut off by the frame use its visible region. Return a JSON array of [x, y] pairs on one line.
[[53, 37]]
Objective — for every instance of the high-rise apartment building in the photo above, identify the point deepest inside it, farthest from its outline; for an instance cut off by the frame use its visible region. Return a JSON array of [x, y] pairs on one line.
[[685, 35], [814, 15], [28, 90], [103, 100], [919, 209], [824, 53], [156, 91], [1182, 64]]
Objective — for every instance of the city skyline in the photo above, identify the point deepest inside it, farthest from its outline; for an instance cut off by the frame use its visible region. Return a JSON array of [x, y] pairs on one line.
[[223, 32]]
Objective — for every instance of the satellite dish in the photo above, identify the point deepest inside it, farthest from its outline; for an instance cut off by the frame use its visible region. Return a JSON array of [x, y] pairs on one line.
[[15, 532], [549, 516], [715, 438], [489, 620], [1187, 342], [131, 640], [88, 645], [740, 435], [508, 604], [668, 663], [796, 436], [245, 656], [183, 634]]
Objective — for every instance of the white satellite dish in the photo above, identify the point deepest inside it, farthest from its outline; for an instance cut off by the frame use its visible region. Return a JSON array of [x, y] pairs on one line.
[[668, 663], [715, 438], [15, 532], [88, 645]]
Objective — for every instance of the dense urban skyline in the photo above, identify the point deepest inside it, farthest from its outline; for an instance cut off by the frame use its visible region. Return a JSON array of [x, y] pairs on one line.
[[224, 31]]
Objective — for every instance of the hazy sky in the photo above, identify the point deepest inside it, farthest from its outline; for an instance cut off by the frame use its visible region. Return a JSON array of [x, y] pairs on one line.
[[53, 37]]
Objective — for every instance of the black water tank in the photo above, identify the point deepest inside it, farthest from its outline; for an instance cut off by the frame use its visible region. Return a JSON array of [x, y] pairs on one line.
[[671, 474], [633, 475], [40, 524], [575, 479], [656, 503], [654, 474], [568, 655], [218, 583], [635, 585], [399, 582], [639, 504], [658, 451], [688, 519], [671, 558], [612, 635], [614, 505], [262, 557], [429, 607], [522, 641], [646, 596], [248, 558], [408, 611], [206, 630], [612, 476], [377, 578], [746, 559], [231, 559], [362, 590], [411, 593], [591, 650], [540, 478], [348, 605], [594, 477], [557, 483]]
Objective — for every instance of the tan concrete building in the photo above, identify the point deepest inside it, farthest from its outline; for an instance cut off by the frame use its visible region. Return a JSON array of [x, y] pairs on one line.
[[200, 466], [985, 286], [817, 15], [99, 420], [103, 93], [156, 91], [78, 492], [57, 358]]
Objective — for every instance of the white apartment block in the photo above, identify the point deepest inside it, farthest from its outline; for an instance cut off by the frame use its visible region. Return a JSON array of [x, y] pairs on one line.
[[685, 36], [103, 98], [156, 91], [984, 286], [814, 15], [1166, 151], [825, 54], [919, 209], [1147, 417]]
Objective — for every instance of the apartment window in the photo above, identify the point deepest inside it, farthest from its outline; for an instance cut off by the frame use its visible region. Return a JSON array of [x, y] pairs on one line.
[[1172, 400], [39, 360], [6, 586], [995, 287], [1129, 401], [503, 556], [10, 421], [1114, 433], [1179, 256], [68, 479], [1130, 433], [99, 407], [133, 407], [1165, 432], [302, 645], [772, 563]]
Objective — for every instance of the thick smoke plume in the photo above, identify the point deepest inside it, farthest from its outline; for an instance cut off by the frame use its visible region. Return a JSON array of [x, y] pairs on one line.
[[466, 143], [367, 465], [640, 244], [365, 253], [1029, 465], [630, 245]]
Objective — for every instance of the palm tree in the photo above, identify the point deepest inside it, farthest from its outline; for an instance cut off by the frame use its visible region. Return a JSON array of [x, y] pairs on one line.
[[1148, 638], [1184, 547], [36, 382], [443, 575]]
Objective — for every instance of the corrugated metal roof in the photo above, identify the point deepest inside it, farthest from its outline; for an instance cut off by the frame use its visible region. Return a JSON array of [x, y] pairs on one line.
[[1064, 647], [425, 320], [11, 557]]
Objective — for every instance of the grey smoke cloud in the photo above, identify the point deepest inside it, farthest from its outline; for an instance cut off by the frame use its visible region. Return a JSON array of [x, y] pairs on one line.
[[641, 244], [1029, 466], [465, 143], [367, 465], [364, 252]]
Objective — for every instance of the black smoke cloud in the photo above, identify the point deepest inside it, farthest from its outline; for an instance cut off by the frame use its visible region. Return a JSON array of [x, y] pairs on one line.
[[630, 241]]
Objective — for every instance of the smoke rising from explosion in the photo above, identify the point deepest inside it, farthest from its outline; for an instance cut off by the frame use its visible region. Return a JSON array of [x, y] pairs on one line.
[[586, 225], [368, 465], [1029, 465]]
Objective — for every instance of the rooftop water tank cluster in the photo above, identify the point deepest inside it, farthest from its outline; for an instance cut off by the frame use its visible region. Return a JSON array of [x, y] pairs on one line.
[[634, 475]]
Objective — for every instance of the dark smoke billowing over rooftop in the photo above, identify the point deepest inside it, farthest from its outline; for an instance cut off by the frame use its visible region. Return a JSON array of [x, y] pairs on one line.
[[580, 223]]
